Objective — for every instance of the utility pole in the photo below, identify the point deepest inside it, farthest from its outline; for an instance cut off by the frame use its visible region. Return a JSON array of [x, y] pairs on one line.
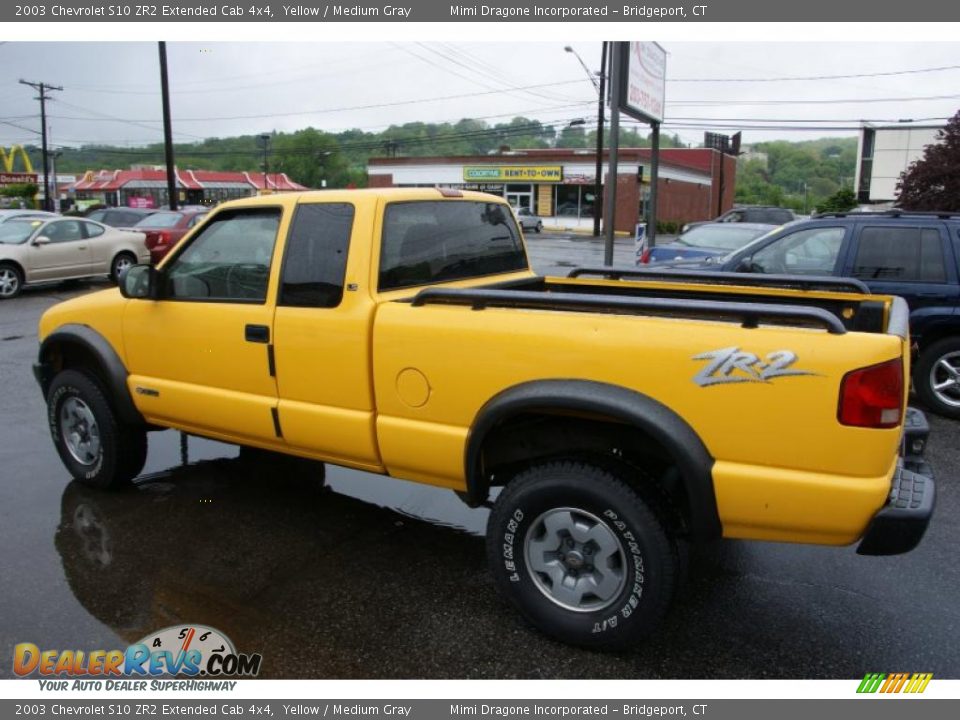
[[265, 138], [42, 88], [167, 130]]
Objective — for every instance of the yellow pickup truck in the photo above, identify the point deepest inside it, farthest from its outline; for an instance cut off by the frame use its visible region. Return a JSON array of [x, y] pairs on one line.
[[613, 415]]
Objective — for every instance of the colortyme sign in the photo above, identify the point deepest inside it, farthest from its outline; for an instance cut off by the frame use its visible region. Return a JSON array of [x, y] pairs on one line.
[[646, 78], [513, 173]]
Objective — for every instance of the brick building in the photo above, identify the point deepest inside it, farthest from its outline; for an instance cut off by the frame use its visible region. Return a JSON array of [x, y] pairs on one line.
[[694, 183]]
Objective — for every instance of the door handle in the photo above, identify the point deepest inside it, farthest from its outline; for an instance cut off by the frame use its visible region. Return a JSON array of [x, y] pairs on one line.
[[82, 247], [257, 333], [941, 296]]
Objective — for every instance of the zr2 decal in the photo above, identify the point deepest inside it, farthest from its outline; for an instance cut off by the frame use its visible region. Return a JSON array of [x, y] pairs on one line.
[[733, 365]]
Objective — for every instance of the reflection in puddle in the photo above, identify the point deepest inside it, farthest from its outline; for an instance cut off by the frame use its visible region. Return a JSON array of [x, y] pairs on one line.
[[275, 556]]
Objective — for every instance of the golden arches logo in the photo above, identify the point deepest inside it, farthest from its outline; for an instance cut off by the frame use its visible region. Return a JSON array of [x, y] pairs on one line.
[[10, 158]]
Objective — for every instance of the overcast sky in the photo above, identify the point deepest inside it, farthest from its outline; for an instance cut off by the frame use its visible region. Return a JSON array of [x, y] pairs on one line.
[[111, 90]]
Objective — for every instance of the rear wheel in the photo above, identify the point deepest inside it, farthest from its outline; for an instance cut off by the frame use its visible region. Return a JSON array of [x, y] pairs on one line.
[[93, 445], [539, 227], [581, 555], [11, 281], [937, 377], [121, 263]]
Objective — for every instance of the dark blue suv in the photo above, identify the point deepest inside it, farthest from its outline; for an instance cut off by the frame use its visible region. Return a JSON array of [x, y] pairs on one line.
[[913, 255]]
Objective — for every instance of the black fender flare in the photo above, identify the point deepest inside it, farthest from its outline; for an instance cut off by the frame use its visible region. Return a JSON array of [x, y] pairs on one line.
[[666, 427], [111, 368]]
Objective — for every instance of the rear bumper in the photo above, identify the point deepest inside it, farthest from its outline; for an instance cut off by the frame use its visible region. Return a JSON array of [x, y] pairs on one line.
[[899, 526]]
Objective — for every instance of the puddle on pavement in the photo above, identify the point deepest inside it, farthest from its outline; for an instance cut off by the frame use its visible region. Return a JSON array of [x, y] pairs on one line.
[[423, 502]]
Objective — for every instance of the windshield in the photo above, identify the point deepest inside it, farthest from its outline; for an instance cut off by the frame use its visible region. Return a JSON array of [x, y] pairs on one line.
[[753, 243], [16, 231], [160, 220], [721, 237]]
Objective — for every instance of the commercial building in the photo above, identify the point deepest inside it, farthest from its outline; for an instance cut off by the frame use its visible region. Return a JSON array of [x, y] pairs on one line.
[[558, 184], [147, 186], [883, 153]]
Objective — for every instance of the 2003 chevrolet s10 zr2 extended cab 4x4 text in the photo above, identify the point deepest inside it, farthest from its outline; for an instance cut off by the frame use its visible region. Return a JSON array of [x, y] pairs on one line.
[[618, 414]]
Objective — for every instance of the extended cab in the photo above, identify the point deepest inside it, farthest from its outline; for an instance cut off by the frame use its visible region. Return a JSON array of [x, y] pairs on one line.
[[611, 417]]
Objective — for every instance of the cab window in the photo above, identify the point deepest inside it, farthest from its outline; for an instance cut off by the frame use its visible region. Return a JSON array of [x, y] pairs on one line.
[[438, 241], [229, 261]]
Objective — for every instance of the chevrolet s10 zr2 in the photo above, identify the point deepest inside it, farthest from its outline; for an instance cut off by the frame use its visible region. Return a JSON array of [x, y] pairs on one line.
[[615, 415]]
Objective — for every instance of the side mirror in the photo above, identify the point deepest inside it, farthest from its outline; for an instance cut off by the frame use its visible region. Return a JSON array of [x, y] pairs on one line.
[[40, 240], [139, 282], [744, 266]]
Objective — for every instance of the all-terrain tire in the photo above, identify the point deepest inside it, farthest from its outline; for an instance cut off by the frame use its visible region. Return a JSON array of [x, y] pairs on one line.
[[96, 448], [580, 554]]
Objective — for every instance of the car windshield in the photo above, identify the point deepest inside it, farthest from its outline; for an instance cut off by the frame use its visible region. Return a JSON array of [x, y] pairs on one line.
[[160, 220], [721, 237], [753, 243], [16, 231]]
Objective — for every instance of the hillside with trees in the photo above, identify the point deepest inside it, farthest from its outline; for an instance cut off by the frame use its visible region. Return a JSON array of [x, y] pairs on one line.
[[316, 158], [798, 175]]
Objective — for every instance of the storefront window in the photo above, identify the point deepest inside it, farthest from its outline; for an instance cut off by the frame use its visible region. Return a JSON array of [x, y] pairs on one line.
[[574, 201]]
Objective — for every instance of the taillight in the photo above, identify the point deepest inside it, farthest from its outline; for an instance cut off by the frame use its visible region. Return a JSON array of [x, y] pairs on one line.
[[645, 257], [151, 240], [872, 396]]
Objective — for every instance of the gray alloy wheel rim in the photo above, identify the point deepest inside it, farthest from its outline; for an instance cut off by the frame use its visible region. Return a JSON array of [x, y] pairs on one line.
[[122, 263], [80, 431], [945, 379], [9, 282], [575, 559]]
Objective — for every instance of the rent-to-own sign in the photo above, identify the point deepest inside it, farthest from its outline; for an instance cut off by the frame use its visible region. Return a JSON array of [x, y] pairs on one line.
[[646, 81], [514, 173]]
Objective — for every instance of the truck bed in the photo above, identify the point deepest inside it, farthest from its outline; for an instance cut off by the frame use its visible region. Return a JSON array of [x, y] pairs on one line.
[[832, 304]]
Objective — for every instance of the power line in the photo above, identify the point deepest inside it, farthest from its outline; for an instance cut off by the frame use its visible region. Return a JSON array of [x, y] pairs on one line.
[[890, 73], [375, 106], [819, 101]]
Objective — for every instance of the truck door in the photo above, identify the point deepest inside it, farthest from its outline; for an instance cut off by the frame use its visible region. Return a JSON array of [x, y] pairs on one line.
[[201, 354], [906, 260], [322, 329]]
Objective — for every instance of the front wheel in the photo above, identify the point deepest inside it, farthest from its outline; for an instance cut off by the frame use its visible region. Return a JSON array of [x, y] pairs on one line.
[[96, 449], [580, 555], [937, 377]]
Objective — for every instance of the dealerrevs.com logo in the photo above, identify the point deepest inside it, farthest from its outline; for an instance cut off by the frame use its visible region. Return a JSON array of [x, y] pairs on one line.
[[179, 650]]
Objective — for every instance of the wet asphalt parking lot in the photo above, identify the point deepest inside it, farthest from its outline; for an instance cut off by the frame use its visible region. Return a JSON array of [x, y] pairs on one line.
[[369, 577]]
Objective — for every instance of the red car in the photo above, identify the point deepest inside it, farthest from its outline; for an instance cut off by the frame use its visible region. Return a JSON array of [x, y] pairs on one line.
[[165, 228]]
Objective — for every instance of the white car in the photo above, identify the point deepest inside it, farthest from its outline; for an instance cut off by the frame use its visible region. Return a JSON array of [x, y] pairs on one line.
[[40, 249], [527, 220]]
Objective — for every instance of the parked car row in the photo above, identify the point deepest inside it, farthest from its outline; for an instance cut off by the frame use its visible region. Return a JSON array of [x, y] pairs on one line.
[[44, 247], [38, 246]]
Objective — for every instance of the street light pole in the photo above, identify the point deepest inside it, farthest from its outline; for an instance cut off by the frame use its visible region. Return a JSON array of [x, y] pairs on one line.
[[601, 92], [167, 130]]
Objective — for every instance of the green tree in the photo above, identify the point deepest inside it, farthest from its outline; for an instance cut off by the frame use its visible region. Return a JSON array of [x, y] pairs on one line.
[[933, 181], [841, 201]]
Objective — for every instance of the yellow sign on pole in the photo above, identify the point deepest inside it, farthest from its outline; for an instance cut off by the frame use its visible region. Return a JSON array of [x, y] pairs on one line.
[[514, 173]]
